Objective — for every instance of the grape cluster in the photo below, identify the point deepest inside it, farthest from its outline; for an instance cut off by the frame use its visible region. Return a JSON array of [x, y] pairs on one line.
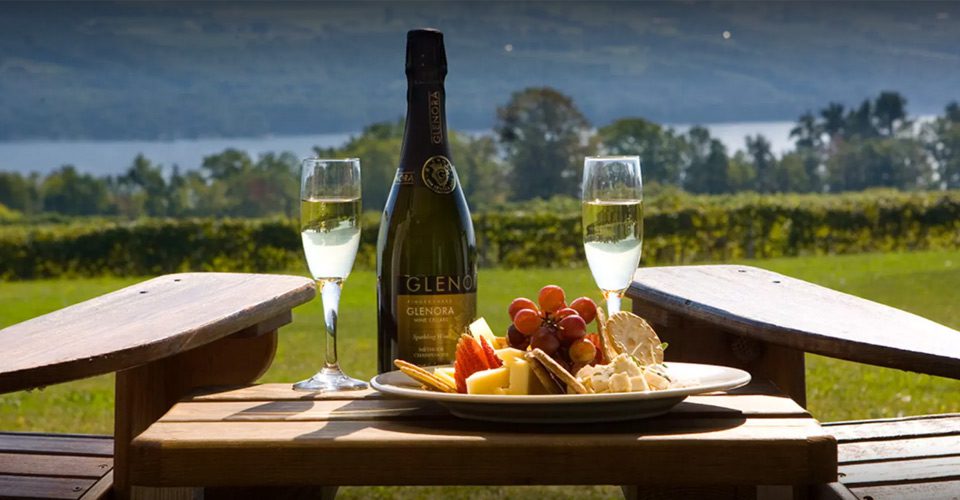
[[554, 327]]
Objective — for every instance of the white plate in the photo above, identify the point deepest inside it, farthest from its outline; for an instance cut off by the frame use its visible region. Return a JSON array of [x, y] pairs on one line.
[[572, 408]]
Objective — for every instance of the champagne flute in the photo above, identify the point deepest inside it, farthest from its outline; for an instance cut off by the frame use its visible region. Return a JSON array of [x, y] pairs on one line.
[[330, 230], [612, 210]]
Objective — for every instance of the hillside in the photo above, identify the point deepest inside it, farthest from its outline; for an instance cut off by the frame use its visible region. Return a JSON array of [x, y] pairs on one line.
[[166, 70]]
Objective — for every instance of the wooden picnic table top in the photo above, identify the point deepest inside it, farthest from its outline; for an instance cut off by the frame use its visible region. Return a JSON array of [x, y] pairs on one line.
[[271, 435]]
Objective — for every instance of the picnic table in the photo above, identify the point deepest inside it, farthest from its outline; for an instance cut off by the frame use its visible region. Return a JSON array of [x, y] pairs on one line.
[[187, 348], [271, 435]]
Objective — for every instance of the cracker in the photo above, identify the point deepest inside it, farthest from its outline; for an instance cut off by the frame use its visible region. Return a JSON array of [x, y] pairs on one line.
[[636, 337], [547, 380], [608, 345], [426, 378], [559, 371]]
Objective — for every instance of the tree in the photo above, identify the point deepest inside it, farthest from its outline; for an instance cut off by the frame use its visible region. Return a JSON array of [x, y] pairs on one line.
[[942, 141], [144, 183], [808, 133], [68, 192], [879, 162], [859, 123], [660, 150], [482, 174], [544, 137], [890, 112], [764, 163], [227, 164], [378, 147], [809, 153], [834, 121], [18, 192], [707, 162], [741, 175]]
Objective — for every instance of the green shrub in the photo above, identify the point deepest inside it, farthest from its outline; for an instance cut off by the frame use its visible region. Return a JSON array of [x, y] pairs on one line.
[[678, 229]]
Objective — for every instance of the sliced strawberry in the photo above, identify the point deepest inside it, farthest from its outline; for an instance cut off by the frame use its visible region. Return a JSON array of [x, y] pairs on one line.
[[470, 358], [460, 378], [492, 360]]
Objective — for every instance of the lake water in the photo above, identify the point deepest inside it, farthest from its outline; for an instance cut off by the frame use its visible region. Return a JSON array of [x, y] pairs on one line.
[[114, 157]]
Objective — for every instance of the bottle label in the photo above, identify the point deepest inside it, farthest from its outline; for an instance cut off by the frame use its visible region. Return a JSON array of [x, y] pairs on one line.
[[438, 175], [404, 178], [432, 313]]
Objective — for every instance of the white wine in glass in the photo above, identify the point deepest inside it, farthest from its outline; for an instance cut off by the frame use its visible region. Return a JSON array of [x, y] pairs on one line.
[[612, 223], [330, 230]]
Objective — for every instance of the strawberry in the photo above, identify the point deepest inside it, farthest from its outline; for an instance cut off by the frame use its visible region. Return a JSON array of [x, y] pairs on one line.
[[470, 359], [458, 376], [492, 360]]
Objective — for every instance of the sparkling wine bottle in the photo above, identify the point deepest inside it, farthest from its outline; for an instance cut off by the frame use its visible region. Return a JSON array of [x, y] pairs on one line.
[[426, 249]]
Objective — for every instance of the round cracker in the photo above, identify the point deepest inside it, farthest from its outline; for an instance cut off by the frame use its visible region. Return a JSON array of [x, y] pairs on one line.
[[636, 336]]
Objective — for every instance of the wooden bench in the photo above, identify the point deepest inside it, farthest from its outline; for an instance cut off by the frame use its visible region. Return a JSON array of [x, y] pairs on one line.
[[164, 338], [55, 466], [765, 322]]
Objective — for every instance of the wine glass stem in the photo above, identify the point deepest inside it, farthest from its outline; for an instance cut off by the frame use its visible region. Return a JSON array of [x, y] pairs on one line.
[[613, 302], [330, 296]]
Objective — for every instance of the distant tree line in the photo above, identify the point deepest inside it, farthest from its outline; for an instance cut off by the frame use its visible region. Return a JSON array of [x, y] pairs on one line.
[[536, 151]]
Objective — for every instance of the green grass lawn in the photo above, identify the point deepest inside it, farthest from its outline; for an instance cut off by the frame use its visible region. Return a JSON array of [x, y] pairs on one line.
[[923, 283]]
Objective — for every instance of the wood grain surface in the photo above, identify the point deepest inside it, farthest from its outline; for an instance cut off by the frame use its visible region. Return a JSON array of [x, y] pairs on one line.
[[905, 458], [788, 312], [268, 435], [50, 466], [144, 322]]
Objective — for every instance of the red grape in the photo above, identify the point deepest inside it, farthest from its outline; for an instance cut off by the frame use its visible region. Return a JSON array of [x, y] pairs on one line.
[[586, 308], [563, 313], [551, 298], [527, 321], [594, 338], [545, 340], [572, 327], [582, 351], [516, 339], [519, 304]]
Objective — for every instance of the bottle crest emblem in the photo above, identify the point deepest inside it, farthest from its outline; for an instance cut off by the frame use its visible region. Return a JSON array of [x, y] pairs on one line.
[[438, 175]]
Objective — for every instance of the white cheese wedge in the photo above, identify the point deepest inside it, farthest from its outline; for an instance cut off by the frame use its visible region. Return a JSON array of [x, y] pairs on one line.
[[508, 354], [480, 328], [492, 381], [620, 382]]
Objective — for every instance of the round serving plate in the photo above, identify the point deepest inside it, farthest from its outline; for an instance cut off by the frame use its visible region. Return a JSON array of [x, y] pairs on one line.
[[690, 379]]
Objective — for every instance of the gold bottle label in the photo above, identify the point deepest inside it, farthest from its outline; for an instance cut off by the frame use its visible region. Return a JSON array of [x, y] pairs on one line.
[[432, 313], [437, 174]]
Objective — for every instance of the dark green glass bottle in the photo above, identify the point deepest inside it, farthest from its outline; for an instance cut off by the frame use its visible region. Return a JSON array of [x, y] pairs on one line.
[[426, 249]]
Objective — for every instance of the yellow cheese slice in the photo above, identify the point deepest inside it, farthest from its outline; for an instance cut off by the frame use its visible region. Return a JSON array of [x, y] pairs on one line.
[[492, 381]]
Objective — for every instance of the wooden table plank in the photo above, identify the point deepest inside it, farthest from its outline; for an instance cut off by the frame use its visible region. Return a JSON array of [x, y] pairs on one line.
[[285, 392], [792, 313], [940, 490], [897, 428], [43, 487], [370, 408], [120, 330], [54, 465], [452, 451], [913, 470], [898, 449], [54, 444]]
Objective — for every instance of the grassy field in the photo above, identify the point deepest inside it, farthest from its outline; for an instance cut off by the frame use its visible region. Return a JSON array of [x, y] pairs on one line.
[[923, 283]]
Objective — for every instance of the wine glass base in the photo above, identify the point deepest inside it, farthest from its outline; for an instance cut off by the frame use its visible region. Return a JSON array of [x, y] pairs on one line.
[[330, 380]]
